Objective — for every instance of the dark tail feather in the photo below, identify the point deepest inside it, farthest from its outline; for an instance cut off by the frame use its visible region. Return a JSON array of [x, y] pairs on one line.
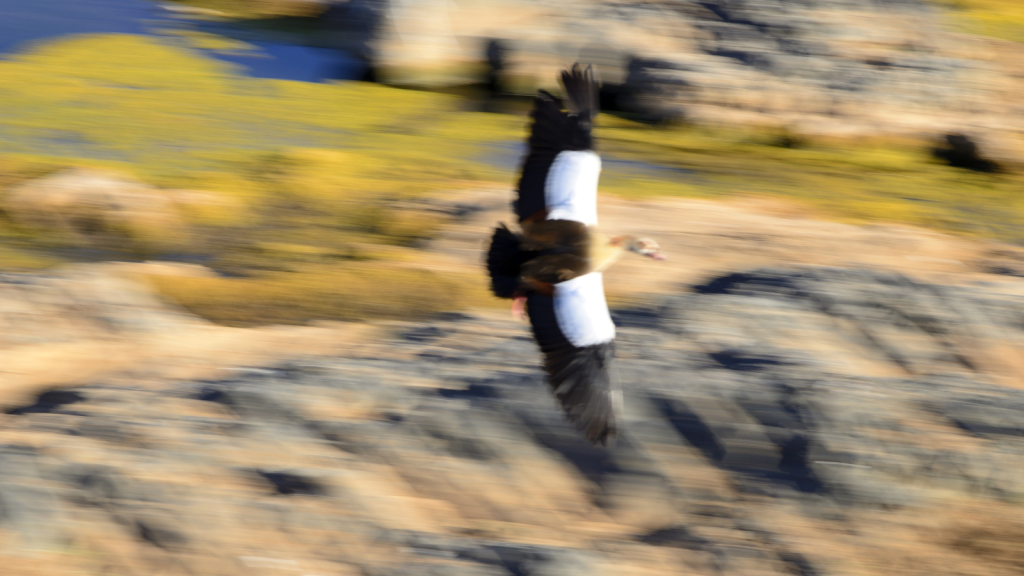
[[581, 91], [504, 259]]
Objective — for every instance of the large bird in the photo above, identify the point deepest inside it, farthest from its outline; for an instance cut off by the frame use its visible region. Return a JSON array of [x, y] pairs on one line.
[[553, 267]]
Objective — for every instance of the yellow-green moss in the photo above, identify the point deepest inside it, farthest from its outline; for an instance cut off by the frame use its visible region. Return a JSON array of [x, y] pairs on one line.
[[353, 291], [325, 182], [996, 18], [15, 168], [255, 8], [166, 110], [13, 259], [895, 181]]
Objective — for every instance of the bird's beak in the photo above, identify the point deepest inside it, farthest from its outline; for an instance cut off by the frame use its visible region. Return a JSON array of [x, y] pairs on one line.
[[658, 256]]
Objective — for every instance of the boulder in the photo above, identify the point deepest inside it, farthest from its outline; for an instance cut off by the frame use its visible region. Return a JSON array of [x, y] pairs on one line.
[[821, 67], [95, 208]]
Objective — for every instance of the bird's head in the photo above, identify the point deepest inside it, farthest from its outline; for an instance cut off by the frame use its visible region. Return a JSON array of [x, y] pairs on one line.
[[645, 247]]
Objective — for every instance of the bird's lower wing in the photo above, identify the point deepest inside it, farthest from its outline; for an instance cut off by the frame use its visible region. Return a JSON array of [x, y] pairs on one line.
[[577, 338]]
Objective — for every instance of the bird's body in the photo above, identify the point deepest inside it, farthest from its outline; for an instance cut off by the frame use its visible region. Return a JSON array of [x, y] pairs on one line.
[[555, 265]]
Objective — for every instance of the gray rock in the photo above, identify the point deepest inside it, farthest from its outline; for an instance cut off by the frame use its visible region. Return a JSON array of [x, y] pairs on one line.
[[860, 484], [727, 423], [723, 432], [985, 418], [28, 506], [34, 514]]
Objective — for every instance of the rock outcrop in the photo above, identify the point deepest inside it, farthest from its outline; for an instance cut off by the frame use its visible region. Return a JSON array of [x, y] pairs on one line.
[[834, 67], [89, 321], [95, 208], [859, 414], [779, 421]]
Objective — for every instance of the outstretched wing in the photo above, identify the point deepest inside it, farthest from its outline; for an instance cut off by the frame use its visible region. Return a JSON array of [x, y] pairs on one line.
[[560, 172], [577, 338]]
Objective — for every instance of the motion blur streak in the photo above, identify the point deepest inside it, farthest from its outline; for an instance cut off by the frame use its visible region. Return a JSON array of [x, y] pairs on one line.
[[245, 327]]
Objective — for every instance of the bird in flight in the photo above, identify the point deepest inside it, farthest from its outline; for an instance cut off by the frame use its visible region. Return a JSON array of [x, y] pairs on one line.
[[552, 269]]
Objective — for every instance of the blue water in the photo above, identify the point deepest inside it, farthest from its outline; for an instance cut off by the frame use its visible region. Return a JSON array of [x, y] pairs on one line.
[[292, 62], [24, 22]]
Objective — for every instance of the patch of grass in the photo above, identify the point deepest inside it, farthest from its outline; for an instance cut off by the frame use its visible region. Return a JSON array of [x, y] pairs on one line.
[[1002, 19], [325, 184], [14, 258], [895, 181], [321, 165], [164, 111], [256, 9], [354, 291]]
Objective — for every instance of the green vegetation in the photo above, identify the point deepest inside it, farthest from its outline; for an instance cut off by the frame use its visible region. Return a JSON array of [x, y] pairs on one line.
[[256, 8], [866, 181], [317, 175], [358, 291], [163, 112], [326, 186], [996, 18]]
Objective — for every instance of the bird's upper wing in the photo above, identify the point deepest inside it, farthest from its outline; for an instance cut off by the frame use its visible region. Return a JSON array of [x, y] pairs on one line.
[[560, 172], [577, 337]]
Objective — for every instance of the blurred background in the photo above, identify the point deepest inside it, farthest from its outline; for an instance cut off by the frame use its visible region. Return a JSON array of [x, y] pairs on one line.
[[245, 328]]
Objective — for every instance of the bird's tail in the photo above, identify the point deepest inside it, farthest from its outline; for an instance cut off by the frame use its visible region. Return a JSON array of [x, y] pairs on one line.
[[581, 91], [504, 259]]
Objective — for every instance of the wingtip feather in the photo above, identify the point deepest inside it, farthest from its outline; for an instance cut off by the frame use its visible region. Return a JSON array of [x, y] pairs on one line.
[[581, 89], [589, 396]]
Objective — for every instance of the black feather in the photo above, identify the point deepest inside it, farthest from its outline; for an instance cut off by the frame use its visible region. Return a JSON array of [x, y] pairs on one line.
[[553, 131], [582, 379], [504, 260], [581, 91]]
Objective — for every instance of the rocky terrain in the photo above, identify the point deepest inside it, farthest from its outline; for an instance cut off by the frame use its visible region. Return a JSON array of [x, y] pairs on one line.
[[809, 398], [814, 67]]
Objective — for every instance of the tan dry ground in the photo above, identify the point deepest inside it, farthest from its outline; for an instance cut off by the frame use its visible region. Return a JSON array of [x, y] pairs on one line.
[[705, 239], [701, 238], [954, 535]]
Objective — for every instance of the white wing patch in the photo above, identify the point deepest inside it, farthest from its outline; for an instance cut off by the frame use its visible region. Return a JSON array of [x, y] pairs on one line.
[[570, 191], [581, 310]]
